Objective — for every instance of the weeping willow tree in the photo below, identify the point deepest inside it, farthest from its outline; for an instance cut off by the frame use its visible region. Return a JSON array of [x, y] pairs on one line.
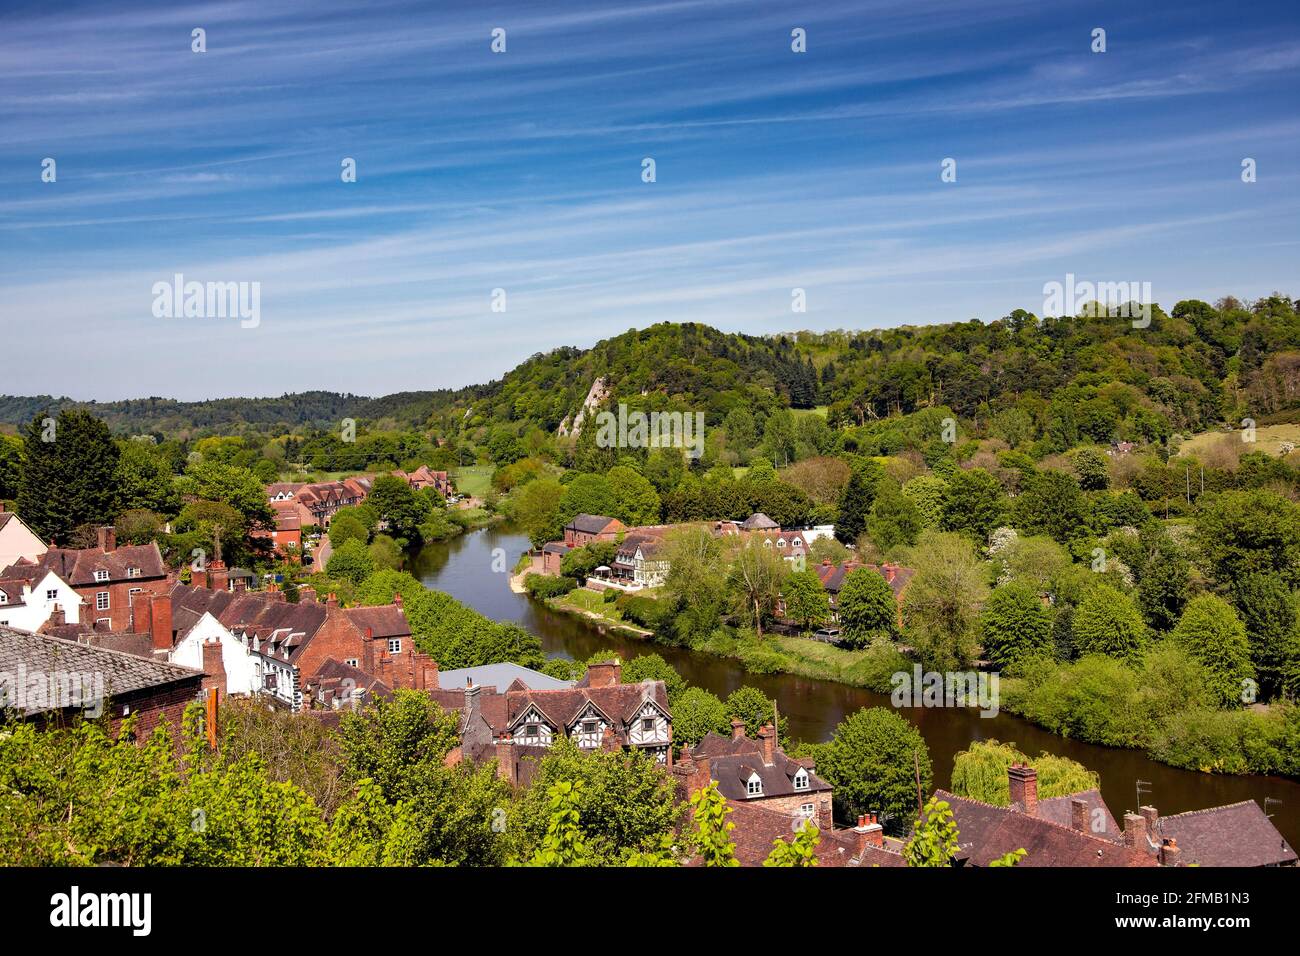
[[981, 773]]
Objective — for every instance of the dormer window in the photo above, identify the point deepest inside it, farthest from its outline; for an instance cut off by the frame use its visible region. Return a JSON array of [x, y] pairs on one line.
[[4, 598], [801, 779], [754, 785], [101, 575], [132, 572]]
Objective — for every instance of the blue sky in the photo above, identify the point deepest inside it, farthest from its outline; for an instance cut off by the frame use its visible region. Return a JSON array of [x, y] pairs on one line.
[[522, 171]]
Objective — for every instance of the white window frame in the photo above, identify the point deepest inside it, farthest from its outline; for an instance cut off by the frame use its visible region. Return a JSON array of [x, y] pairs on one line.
[[101, 576], [51, 594], [102, 601], [754, 786], [394, 645], [801, 779], [132, 572], [808, 810]]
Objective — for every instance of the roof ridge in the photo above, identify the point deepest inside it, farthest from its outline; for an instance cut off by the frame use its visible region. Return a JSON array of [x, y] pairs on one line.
[[125, 655], [1192, 813]]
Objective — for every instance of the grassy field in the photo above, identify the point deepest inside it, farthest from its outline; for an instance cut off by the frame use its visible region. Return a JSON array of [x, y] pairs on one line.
[[819, 410], [1268, 439], [473, 480]]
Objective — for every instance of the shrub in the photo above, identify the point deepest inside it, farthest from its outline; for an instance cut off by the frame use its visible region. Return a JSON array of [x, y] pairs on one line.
[[545, 586]]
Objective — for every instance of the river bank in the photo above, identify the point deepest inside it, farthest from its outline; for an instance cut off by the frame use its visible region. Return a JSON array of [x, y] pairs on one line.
[[813, 706]]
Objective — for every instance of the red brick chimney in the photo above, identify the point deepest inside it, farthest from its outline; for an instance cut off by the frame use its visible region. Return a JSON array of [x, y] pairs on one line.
[[867, 833], [160, 615], [397, 598], [57, 617], [214, 669], [737, 728], [332, 600], [306, 595], [107, 538], [1079, 814], [609, 742], [1022, 780], [1152, 817], [506, 760], [142, 612], [767, 743], [1135, 831], [604, 674], [426, 672], [199, 577], [218, 576], [890, 572]]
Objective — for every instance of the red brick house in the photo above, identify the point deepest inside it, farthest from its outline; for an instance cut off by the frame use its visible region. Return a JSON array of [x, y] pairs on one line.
[[46, 666], [286, 536], [584, 529], [425, 477], [105, 576]]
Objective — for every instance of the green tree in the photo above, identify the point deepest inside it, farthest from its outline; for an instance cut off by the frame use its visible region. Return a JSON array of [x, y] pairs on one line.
[[144, 479], [800, 851], [352, 562], [806, 600], [637, 500], [397, 505], [587, 494], [711, 838], [536, 508], [974, 504], [697, 712], [1108, 623], [563, 844], [1212, 633], [873, 761], [69, 474], [855, 503], [1090, 469], [11, 466], [894, 519], [934, 838], [1248, 532], [867, 607], [756, 709], [928, 493], [980, 773], [754, 580], [1014, 625], [1268, 610], [696, 580], [652, 667], [942, 600], [1052, 504], [346, 527]]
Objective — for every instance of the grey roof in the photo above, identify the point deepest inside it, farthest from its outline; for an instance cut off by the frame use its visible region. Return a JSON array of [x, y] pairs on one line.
[[759, 522], [122, 673], [589, 524], [500, 676]]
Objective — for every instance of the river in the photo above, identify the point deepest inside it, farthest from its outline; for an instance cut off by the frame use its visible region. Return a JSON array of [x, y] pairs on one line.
[[464, 568]]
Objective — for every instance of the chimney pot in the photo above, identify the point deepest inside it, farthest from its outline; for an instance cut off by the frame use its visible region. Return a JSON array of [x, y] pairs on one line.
[[737, 728], [1135, 831], [767, 742]]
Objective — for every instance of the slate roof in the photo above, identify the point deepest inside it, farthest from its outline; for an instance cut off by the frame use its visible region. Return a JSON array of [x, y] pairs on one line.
[[276, 621], [500, 676], [759, 522], [986, 832], [122, 673], [1058, 810], [589, 524], [832, 576], [619, 702], [77, 566], [333, 672], [1238, 834], [732, 761]]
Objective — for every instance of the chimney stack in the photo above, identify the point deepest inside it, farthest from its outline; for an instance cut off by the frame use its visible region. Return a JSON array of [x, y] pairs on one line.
[[1022, 781], [868, 832], [214, 668], [57, 617], [1079, 814], [1152, 817], [107, 538], [397, 598], [767, 743], [218, 577], [332, 600], [604, 674], [142, 612], [506, 760], [1135, 831], [199, 577], [306, 595], [737, 728], [160, 615]]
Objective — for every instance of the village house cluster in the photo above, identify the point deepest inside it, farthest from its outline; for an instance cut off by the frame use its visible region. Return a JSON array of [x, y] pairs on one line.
[[158, 644]]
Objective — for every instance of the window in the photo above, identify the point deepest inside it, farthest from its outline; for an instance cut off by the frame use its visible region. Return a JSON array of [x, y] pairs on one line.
[[648, 724], [132, 593], [808, 810], [530, 731], [132, 572], [101, 600], [4, 598], [105, 621], [394, 645], [801, 780], [589, 726], [52, 594], [101, 575], [754, 786], [351, 662]]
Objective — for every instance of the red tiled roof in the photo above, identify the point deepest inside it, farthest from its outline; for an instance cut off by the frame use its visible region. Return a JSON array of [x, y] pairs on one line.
[[77, 566]]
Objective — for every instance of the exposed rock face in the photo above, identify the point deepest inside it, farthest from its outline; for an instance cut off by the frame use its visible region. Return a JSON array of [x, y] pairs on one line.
[[598, 392]]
